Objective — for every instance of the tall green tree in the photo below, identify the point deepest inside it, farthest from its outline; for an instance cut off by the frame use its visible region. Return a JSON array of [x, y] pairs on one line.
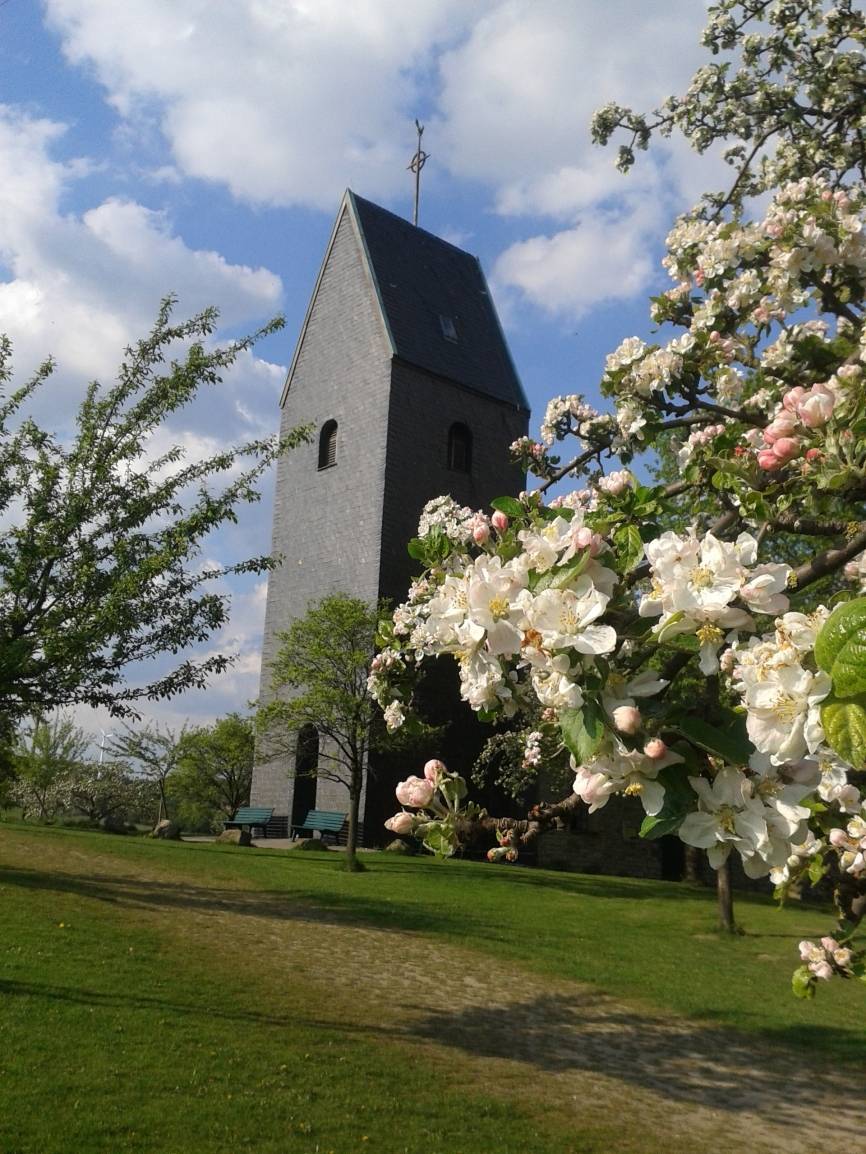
[[319, 678], [100, 557], [215, 769]]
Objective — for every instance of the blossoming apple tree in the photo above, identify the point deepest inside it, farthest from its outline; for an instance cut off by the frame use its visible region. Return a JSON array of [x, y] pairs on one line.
[[581, 612]]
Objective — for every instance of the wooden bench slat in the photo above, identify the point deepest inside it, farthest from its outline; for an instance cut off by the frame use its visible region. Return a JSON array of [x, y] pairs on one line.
[[324, 820], [250, 815], [253, 813]]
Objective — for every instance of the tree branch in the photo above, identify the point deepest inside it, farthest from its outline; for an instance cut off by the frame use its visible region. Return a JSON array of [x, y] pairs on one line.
[[829, 561]]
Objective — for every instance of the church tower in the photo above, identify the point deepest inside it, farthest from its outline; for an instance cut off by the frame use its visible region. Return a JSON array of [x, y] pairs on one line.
[[402, 366]]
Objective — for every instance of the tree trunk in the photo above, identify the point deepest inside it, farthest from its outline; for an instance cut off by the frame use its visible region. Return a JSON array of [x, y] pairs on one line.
[[692, 865], [726, 898], [352, 863]]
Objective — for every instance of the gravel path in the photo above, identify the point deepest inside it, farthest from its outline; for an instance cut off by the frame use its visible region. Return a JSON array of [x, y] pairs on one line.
[[558, 1043]]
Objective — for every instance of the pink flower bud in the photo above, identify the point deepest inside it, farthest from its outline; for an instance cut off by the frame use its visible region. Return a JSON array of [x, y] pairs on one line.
[[793, 397], [813, 454], [781, 426], [787, 448], [414, 791], [816, 408], [585, 538], [838, 837], [768, 460], [401, 823], [627, 719], [499, 521], [434, 769], [480, 534], [655, 748], [848, 372]]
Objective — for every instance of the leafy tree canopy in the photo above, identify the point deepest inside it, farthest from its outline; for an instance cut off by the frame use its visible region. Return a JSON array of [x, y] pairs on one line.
[[99, 554]]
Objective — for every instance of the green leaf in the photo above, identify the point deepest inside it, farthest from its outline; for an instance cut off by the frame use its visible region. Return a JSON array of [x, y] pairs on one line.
[[417, 549], [679, 801], [660, 825], [562, 578], [803, 983], [438, 837], [732, 744], [629, 547], [746, 472], [510, 506], [840, 648], [844, 722], [582, 730]]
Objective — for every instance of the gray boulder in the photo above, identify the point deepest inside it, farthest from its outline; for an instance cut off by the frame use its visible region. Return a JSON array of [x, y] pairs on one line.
[[235, 837], [167, 830]]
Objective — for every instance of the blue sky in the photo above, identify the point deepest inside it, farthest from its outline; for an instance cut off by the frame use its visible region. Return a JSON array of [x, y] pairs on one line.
[[202, 147]]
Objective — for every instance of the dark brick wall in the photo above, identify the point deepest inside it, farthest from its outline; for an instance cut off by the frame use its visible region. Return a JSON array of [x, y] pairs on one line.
[[421, 413], [420, 416]]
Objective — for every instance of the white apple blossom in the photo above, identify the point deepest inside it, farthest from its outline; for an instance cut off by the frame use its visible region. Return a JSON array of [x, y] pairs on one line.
[[618, 769], [694, 583], [564, 618], [728, 817]]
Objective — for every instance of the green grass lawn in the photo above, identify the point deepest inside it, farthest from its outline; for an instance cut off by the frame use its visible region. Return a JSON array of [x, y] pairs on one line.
[[120, 1029]]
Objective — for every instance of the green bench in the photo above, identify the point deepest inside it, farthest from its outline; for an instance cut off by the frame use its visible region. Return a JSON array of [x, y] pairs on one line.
[[250, 817], [324, 820]]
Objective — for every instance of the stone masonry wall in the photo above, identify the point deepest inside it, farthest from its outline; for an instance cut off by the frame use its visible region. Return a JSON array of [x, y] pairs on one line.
[[327, 523]]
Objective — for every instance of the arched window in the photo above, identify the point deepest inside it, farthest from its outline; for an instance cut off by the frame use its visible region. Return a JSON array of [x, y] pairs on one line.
[[306, 763], [459, 449], [328, 445]]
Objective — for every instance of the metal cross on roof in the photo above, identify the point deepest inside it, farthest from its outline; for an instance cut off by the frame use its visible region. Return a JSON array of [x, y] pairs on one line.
[[415, 165]]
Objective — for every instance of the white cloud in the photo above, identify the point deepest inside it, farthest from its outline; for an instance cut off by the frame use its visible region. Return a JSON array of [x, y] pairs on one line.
[[517, 99], [82, 287], [287, 103], [571, 271], [283, 103]]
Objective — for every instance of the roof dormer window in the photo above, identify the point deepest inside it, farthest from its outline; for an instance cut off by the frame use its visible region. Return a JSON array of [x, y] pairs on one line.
[[448, 327]]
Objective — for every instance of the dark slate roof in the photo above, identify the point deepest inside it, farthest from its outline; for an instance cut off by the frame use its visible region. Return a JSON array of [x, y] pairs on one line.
[[421, 278]]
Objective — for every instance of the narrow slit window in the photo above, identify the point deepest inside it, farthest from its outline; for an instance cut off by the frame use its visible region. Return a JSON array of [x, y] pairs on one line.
[[460, 449], [328, 445]]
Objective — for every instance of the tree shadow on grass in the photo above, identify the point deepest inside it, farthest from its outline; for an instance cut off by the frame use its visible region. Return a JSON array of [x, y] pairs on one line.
[[101, 999], [313, 907], [705, 1066]]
